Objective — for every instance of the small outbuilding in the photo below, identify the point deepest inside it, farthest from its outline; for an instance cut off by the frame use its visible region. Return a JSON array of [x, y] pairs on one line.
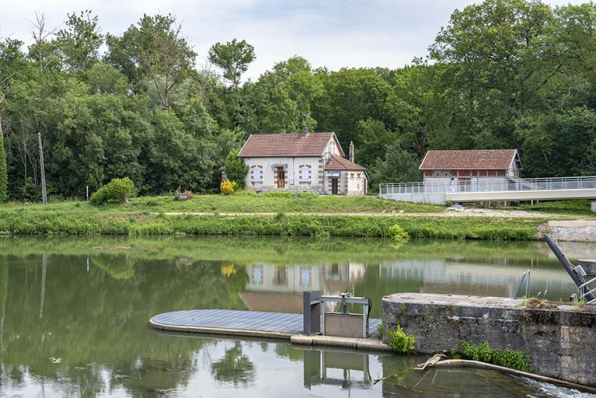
[[302, 162], [468, 167]]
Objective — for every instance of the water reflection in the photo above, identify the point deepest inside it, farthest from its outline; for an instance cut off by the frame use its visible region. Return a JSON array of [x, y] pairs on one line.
[[88, 301], [337, 368]]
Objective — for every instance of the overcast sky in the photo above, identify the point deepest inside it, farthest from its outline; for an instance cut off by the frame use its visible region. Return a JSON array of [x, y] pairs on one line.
[[331, 33]]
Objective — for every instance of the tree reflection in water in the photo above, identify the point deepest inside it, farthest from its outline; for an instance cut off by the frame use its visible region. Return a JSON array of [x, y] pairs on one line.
[[235, 367]]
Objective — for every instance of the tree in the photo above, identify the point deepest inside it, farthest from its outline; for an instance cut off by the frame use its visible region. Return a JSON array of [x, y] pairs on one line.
[[233, 58], [399, 166], [351, 95], [41, 35], [235, 169], [80, 41], [373, 139], [3, 170], [154, 49]]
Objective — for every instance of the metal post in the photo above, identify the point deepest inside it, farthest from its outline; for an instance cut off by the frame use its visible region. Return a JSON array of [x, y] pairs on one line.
[[311, 305], [364, 320]]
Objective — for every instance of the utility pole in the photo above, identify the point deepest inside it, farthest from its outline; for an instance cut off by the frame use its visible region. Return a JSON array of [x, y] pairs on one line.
[[44, 193]]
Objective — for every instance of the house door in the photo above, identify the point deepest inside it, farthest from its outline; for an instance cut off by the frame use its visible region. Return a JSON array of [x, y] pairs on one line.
[[281, 177], [334, 186]]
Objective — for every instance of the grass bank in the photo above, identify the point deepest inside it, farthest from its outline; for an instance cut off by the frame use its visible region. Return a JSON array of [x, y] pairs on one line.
[[140, 224], [327, 216], [242, 202]]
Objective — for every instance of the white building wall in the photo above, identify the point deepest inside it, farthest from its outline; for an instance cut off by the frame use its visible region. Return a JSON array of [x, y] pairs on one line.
[[293, 173], [356, 182]]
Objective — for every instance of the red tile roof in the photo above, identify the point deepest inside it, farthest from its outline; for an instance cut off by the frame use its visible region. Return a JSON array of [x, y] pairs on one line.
[[338, 163], [484, 159], [285, 145]]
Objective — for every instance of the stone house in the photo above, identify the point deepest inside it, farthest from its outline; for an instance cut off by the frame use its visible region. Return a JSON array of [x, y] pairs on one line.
[[471, 167], [302, 162]]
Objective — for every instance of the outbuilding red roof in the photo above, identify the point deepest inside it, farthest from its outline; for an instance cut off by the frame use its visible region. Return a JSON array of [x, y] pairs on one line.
[[285, 145], [339, 163], [482, 159]]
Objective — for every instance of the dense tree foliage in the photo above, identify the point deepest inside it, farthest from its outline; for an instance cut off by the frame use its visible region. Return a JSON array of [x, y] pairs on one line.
[[501, 74]]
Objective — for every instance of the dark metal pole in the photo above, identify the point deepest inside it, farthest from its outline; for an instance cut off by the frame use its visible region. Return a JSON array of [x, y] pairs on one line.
[[566, 264]]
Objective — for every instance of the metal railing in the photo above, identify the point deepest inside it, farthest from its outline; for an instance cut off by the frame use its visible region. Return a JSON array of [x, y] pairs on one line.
[[495, 184], [521, 281]]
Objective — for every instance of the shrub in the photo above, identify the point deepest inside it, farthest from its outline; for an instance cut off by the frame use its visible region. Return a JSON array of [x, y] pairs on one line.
[[398, 233], [235, 169], [228, 187], [400, 341], [507, 358], [119, 190]]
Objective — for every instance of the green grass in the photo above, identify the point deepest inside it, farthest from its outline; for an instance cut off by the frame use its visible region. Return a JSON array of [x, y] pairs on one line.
[[114, 223], [241, 203], [568, 207], [146, 216]]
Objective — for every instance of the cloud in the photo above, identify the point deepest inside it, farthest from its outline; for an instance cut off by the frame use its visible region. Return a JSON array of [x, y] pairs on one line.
[[331, 33]]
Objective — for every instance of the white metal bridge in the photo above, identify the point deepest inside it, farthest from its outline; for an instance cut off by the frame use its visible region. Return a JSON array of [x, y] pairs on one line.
[[509, 189]]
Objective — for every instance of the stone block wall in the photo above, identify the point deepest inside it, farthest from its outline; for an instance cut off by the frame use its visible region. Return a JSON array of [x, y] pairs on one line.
[[559, 338]]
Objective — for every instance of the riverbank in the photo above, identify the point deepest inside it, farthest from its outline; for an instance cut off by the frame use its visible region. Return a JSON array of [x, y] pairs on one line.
[[283, 215], [140, 224]]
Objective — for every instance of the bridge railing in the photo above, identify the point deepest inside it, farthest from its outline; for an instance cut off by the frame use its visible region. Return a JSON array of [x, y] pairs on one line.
[[490, 185]]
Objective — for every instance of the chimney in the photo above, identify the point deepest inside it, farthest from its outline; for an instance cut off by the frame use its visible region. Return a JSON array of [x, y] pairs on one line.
[[351, 152], [305, 131]]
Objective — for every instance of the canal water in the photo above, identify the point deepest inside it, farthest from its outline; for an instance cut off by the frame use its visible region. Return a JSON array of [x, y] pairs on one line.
[[74, 314]]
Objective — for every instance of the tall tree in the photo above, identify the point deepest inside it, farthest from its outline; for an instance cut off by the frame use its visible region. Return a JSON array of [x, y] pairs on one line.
[[80, 41], [154, 49], [41, 35], [3, 169], [233, 58]]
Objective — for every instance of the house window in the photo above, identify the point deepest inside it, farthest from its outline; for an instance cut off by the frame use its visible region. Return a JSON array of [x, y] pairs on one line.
[[304, 177], [257, 174]]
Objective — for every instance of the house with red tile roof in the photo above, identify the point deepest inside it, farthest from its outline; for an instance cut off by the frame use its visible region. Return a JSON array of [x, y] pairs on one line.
[[468, 167], [302, 162]]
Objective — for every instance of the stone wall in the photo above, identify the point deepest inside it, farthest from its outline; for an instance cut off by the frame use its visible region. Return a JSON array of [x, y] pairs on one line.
[[559, 338]]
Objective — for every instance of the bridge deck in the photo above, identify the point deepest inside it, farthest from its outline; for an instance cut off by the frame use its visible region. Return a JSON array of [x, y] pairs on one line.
[[237, 323]]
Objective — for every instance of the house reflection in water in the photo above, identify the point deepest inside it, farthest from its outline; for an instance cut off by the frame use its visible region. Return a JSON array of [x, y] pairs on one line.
[[329, 367], [275, 288]]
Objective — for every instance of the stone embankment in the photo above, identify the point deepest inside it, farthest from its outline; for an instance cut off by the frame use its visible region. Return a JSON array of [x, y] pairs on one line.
[[571, 231], [559, 338]]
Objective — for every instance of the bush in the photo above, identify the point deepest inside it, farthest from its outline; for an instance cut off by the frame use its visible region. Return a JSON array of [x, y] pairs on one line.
[[119, 190], [398, 233], [236, 169], [400, 341], [228, 187], [507, 358]]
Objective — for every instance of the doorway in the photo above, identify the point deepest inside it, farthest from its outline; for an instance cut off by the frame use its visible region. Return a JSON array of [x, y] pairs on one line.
[[334, 186], [281, 177]]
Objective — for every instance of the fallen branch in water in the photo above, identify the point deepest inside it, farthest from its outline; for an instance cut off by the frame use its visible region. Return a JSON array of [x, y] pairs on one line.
[[437, 362]]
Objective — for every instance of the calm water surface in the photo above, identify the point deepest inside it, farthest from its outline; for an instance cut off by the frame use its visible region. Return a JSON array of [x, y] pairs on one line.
[[74, 314]]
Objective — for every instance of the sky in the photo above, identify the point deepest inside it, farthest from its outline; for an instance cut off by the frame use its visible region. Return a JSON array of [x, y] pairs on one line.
[[330, 33]]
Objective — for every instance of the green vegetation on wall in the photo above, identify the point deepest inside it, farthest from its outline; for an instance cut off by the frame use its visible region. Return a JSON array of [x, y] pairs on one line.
[[400, 341], [507, 358]]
